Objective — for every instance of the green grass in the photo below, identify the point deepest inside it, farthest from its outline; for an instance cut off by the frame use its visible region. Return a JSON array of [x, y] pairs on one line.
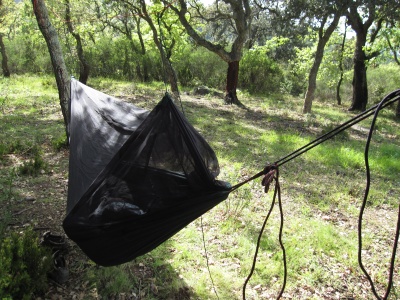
[[321, 193]]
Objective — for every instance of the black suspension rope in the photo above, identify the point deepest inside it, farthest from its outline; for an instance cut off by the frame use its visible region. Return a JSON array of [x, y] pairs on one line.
[[159, 16], [273, 174], [364, 202], [207, 260], [270, 170], [391, 98]]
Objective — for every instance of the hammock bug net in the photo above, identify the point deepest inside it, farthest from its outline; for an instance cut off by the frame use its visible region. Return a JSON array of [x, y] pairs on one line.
[[135, 177]]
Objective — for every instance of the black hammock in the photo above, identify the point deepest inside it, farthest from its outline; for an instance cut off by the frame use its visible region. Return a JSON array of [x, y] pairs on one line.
[[135, 177]]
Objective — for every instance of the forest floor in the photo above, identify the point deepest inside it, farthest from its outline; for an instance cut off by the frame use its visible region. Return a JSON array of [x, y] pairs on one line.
[[320, 234]]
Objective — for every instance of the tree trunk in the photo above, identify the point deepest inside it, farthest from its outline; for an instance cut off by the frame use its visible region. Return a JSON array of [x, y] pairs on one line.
[[4, 61], [360, 89], [323, 38], [241, 19], [232, 79], [170, 73], [338, 98], [312, 85], [143, 59], [84, 67], [167, 66], [56, 55]]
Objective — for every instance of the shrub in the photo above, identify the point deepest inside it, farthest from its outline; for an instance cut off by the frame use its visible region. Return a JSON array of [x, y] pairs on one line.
[[23, 266], [200, 67], [259, 73], [381, 81], [34, 165], [60, 142]]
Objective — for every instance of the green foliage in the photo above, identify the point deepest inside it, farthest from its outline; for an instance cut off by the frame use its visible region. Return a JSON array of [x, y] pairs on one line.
[[6, 193], [342, 136], [259, 73], [200, 67], [35, 164], [110, 281], [3, 101], [382, 80], [3, 96], [329, 72], [15, 146], [60, 142], [23, 266]]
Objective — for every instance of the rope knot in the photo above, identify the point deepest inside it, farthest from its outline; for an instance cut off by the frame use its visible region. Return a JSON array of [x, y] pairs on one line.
[[269, 176]]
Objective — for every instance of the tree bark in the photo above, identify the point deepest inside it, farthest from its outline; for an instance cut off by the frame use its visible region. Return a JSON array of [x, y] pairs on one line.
[[232, 79], [360, 88], [60, 70], [145, 73], [361, 24], [338, 98], [4, 60], [84, 67], [323, 38]]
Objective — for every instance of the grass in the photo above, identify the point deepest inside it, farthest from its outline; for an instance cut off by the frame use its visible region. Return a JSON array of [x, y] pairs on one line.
[[321, 193]]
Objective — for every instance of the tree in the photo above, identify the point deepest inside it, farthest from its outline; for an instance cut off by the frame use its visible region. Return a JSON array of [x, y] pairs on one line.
[[139, 8], [84, 67], [361, 16], [5, 12], [391, 35], [59, 68], [233, 14], [325, 11], [4, 61], [123, 19], [339, 83]]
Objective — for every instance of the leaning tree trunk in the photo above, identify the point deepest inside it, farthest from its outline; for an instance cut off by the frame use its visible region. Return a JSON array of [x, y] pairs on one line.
[[360, 89], [4, 61], [56, 55], [323, 38]]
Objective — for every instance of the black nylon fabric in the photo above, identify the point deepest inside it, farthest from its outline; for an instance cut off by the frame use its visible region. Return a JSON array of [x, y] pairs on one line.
[[136, 178]]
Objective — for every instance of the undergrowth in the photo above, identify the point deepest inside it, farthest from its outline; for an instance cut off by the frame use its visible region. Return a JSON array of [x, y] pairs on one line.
[[24, 266]]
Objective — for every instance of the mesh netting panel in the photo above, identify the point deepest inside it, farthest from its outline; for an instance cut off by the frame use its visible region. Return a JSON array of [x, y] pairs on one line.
[[158, 181]]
